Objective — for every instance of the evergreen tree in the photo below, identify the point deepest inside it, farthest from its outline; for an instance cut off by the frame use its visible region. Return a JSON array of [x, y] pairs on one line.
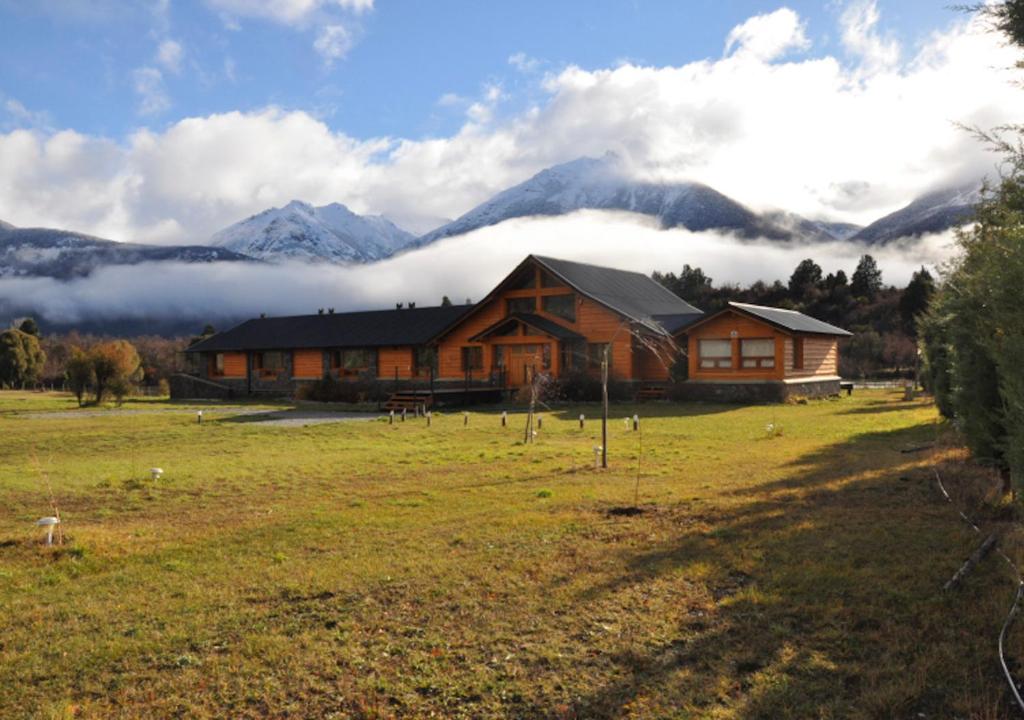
[[915, 298], [446, 301], [804, 280], [21, 359], [867, 278]]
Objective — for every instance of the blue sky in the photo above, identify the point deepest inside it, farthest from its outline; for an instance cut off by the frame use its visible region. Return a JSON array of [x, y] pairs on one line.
[[76, 64]]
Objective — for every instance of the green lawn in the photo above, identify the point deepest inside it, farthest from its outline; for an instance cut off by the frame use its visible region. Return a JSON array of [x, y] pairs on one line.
[[361, 569]]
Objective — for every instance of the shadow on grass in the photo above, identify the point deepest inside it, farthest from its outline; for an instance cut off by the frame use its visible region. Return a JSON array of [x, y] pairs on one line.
[[823, 600]]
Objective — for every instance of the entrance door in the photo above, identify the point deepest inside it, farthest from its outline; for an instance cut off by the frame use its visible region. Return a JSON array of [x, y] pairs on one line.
[[523, 361]]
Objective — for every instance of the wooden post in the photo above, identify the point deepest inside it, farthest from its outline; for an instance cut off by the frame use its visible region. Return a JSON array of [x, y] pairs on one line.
[[604, 406]]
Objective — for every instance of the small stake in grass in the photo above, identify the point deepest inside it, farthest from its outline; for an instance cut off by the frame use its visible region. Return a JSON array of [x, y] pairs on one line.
[[403, 414], [199, 417], [465, 418], [504, 418], [156, 473], [597, 456], [429, 415], [540, 422], [636, 423], [391, 418], [49, 523], [581, 420]]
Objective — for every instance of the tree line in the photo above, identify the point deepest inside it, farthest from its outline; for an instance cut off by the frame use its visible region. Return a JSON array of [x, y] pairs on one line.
[[883, 319], [94, 368]]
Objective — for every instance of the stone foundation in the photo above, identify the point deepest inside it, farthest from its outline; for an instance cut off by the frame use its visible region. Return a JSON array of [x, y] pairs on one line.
[[756, 392]]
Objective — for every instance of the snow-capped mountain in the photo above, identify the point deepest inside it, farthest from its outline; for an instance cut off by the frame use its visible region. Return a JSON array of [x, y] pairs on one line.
[[600, 183], [299, 231], [930, 213], [60, 254]]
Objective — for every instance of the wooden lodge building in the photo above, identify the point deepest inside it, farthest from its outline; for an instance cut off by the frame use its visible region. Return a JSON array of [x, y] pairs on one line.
[[547, 316]]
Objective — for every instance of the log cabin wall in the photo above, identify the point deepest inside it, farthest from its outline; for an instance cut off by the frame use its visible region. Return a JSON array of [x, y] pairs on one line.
[[309, 364], [734, 327], [820, 356], [394, 362]]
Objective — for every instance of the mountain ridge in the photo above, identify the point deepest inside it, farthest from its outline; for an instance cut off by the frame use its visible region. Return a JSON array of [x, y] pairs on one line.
[[300, 231]]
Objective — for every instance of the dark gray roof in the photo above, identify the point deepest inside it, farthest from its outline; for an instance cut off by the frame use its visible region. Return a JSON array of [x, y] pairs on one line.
[[632, 294], [675, 323], [548, 327], [790, 319], [374, 328]]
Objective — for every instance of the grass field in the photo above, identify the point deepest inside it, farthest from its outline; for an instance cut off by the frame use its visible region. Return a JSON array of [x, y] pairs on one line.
[[361, 569]]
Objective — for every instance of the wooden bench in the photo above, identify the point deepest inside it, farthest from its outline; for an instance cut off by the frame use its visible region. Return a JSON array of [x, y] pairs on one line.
[[846, 385]]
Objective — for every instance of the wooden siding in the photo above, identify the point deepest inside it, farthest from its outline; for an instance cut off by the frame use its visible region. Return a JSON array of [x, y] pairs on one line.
[[820, 357], [235, 365], [309, 364], [654, 366], [390, 358], [722, 328], [593, 321]]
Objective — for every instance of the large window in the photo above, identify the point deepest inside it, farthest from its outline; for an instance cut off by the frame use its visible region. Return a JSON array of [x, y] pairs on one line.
[[547, 280], [522, 305], [757, 353], [424, 361], [595, 355], [715, 354], [798, 353], [472, 358], [217, 365], [269, 364], [526, 280], [353, 361], [563, 306]]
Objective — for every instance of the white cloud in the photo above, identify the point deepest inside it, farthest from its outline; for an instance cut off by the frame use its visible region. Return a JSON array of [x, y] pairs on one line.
[[333, 42], [523, 62], [149, 86], [860, 36], [288, 12], [466, 266], [810, 135], [169, 54], [769, 36]]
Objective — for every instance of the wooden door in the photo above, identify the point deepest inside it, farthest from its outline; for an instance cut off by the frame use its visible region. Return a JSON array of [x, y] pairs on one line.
[[523, 361]]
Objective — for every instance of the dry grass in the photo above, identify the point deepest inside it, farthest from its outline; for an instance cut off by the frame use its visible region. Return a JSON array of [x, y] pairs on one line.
[[367, 570]]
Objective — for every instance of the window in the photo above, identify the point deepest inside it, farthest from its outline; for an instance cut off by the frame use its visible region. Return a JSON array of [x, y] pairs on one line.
[[715, 354], [547, 280], [757, 353], [522, 305], [352, 361], [269, 364], [425, 361], [798, 353], [563, 306], [499, 356], [526, 280], [595, 355], [218, 364], [545, 354], [573, 353], [472, 358]]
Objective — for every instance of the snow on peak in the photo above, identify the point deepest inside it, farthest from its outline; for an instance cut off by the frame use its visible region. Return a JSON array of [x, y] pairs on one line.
[[300, 231]]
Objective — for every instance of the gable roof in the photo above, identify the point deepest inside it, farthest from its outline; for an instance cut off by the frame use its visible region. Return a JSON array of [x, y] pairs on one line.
[[548, 327], [788, 320], [632, 295], [374, 328]]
